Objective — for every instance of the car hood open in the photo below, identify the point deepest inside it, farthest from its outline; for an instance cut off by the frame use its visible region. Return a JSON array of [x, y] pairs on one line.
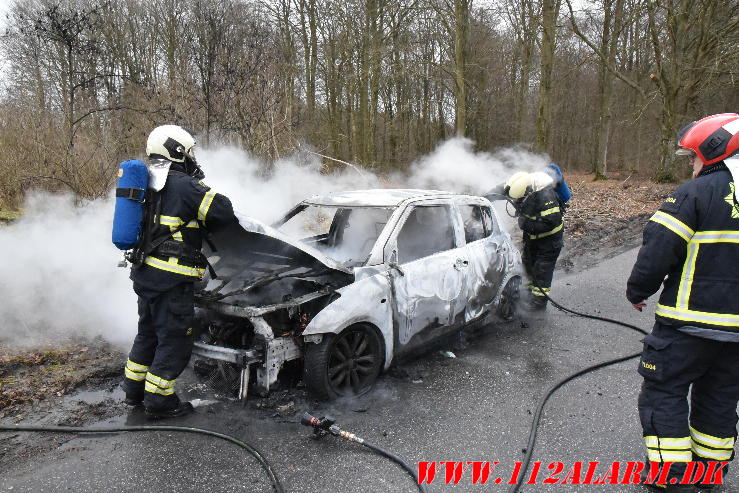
[[251, 241], [257, 264]]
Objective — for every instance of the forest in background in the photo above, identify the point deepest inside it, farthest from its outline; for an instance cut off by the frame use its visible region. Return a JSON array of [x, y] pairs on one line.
[[599, 85]]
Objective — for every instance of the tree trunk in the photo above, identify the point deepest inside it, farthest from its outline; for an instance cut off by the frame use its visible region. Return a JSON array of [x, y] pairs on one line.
[[461, 34], [611, 28], [550, 9]]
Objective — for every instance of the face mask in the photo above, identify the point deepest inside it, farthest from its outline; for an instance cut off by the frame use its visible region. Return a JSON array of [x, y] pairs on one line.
[[191, 165]]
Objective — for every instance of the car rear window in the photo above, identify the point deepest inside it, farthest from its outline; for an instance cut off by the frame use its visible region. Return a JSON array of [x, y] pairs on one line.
[[427, 230], [487, 219], [478, 222]]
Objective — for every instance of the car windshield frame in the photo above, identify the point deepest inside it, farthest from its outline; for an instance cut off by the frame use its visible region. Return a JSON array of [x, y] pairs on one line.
[[331, 252]]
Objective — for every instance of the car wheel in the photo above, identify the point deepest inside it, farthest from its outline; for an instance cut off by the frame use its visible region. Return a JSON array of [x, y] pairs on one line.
[[343, 364], [508, 302]]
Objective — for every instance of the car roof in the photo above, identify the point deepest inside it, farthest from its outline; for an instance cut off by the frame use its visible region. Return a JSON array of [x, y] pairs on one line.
[[378, 197]]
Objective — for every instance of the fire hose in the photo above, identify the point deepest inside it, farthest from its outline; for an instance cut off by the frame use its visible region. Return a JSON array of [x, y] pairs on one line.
[[327, 425], [543, 400], [78, 429], [321, 427]]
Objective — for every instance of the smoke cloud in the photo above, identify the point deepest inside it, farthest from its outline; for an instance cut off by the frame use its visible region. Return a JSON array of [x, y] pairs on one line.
[[456, 167], [59, 273]]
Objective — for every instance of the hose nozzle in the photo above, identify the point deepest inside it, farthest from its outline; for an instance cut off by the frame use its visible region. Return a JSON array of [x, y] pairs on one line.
[[308, 419], [321, 426]]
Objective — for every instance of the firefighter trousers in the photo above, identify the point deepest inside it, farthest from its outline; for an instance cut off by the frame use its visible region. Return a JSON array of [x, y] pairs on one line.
[[162, 347], [674, 364], [539, 259]]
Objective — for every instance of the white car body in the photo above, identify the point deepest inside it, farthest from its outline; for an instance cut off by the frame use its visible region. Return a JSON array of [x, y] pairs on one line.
[[439, 262]]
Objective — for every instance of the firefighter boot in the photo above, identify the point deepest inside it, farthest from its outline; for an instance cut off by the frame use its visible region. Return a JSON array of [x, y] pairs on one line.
[[536, 302], [673, 480], [134, 399], [182, 409], [134, 392], [702, 486]]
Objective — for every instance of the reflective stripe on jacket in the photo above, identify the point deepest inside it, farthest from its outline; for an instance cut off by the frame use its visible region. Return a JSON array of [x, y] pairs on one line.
[[693, 242], [540, 215], [185, 200]]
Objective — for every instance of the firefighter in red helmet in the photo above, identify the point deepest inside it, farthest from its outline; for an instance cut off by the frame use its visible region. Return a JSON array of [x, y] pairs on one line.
[[691, 245]]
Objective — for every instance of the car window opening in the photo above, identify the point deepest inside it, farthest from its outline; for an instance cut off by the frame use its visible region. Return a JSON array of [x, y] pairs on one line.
[[427, 230], [345, 234]]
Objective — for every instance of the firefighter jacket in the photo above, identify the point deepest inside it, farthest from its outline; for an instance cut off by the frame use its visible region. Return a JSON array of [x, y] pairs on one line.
[[540, 216], [692, 245], [188, 209]]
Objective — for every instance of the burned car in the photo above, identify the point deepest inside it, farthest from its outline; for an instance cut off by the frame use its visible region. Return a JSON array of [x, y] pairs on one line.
[[348, 281]]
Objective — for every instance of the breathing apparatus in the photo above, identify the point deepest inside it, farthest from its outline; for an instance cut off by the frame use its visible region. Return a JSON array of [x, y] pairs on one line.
[[137, 198]]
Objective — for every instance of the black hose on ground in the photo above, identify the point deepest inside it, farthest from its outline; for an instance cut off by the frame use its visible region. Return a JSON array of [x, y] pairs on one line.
[[75, 429], [327, 425], [413, 473], [542, 402]]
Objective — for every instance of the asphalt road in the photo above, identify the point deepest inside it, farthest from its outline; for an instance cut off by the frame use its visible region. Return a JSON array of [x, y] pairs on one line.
[[475, 407]]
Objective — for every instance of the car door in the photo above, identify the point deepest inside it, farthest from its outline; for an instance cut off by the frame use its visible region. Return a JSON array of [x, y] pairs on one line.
[[427, 270], [485, 252]]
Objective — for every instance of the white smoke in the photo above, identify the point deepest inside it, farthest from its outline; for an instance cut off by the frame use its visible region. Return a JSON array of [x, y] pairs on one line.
[[59, 274], [455, 166], [242, 179]]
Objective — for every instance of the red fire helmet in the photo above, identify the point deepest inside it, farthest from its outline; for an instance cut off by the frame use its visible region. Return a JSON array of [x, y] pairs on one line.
[[713, 138]]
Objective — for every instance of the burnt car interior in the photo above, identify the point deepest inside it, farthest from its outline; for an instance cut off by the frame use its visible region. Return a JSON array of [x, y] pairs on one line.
[[427, 230], [345, 234]]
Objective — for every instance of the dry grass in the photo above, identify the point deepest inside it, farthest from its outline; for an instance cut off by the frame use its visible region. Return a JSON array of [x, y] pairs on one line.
[[614, 199], [29, 375], [8, 215]]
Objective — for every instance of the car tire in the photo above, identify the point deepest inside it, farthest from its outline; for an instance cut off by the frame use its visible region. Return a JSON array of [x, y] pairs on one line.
[[508, 303], [344, 364]]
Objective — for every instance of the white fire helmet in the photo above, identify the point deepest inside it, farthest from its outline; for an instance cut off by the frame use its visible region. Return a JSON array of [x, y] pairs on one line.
[[515, 187], [171, 142]]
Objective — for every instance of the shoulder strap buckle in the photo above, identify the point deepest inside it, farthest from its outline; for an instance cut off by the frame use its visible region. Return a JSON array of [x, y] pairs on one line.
[[135, 194]]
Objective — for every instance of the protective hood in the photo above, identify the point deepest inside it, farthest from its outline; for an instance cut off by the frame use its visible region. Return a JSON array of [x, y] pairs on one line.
[[540, 180], [158, 172], [733, 164]]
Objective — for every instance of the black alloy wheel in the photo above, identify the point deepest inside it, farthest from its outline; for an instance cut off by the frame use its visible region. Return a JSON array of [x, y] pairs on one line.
[[508, 303], [353, 361], [344, 364]]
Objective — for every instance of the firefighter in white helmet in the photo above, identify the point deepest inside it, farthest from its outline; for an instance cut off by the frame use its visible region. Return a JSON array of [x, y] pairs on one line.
[[169, 266], [540, 218]]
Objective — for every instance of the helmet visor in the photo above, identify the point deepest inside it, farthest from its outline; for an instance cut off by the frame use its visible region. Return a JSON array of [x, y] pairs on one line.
[[190, 154]]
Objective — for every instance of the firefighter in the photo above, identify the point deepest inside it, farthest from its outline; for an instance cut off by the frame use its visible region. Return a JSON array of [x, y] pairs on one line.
[[164, 280], [691, 244], [540, 219]]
